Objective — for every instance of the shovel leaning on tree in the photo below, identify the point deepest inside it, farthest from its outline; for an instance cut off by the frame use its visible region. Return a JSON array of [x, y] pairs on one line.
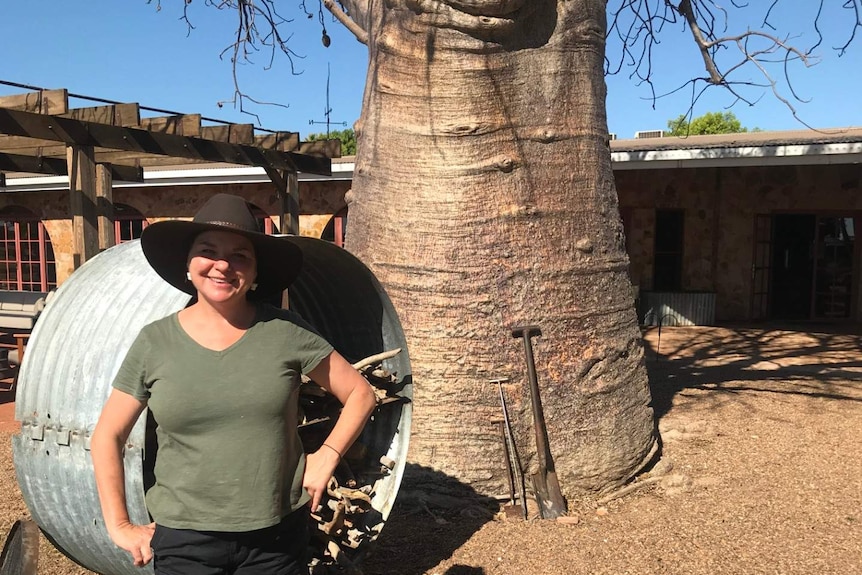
[[545, 484]]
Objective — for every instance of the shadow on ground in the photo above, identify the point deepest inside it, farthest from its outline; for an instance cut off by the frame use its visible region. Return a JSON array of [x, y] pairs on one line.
[[434, 514], [812, 360]]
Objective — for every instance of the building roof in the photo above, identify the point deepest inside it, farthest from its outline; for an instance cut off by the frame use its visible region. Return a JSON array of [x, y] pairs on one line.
[[793, 147]]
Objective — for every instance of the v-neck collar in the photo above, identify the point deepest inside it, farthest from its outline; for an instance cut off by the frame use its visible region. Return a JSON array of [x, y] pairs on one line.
[[217, 352]]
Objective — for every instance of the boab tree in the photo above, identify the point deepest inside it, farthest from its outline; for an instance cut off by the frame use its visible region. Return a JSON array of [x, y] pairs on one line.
[[483, 198]]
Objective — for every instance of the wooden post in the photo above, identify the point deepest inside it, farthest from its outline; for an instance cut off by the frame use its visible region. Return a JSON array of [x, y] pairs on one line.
[[105, 206], [289, 216], [287, 187], [292, 199], [82, 195]]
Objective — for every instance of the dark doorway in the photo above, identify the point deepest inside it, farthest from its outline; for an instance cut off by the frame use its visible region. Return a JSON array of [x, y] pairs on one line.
[[792, 265], [667, 266]]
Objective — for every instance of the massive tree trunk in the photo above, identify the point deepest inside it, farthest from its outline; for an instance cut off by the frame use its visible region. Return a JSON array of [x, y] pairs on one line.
[[483, 198]]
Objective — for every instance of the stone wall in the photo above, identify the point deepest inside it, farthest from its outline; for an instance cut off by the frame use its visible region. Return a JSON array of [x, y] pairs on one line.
[[318, 201], [719, 206]]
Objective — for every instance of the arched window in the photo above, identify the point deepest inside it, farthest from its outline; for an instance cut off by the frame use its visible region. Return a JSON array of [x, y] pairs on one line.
[[128, 223], [336, 230], [26, 254]]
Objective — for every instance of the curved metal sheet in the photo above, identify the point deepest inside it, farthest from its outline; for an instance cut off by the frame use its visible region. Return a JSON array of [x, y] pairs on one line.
[[73, 354], [81, 339], [340, 296]]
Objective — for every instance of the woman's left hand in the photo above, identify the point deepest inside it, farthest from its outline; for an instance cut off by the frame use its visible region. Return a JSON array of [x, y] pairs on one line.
[[319, 467], [342, 380]]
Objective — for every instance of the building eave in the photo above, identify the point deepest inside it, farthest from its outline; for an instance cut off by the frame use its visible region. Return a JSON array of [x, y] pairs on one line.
[[724, 151], [727, 157], [186, 176]]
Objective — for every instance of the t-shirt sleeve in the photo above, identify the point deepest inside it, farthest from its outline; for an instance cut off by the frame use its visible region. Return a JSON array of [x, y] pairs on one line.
[[311, 347], [313, 350], [132, 376]]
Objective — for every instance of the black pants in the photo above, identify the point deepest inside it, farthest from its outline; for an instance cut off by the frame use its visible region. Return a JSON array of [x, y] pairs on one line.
[[277, 550]]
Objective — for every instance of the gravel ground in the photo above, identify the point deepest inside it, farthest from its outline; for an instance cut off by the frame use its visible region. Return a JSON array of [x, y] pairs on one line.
[[761, 473]]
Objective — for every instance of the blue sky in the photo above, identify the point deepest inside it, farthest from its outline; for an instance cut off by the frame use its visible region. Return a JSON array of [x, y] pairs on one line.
[[126, 50]]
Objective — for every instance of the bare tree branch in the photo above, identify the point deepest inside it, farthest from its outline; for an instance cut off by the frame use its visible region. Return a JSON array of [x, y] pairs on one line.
[[260, 28], [348, 23], [686, 11], [855, 7], [635, 25]]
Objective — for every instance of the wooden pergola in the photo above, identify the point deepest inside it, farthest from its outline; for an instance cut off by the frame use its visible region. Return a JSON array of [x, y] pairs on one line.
[[94, 146]]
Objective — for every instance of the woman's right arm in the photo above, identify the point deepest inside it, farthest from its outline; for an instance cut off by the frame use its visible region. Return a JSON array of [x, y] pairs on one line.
[[119, 415]]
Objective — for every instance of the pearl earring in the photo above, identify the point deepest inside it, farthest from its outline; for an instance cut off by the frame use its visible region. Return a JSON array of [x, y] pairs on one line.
[[253, 287], [189, 276]]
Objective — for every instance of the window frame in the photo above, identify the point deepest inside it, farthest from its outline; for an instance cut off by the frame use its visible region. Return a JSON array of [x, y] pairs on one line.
[[46, 264]]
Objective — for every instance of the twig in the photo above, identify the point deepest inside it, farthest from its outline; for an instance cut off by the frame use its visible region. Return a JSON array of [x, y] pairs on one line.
[[628, 489], [376, 358]]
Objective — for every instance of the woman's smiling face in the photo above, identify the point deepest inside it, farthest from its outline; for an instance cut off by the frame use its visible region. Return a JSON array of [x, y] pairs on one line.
[[222, 266]]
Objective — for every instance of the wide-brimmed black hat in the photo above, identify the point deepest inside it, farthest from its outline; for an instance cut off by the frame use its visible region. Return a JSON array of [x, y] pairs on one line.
[[166, 245]]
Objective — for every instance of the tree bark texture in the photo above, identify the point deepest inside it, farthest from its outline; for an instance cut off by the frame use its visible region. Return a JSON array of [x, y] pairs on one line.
[[483, 198]]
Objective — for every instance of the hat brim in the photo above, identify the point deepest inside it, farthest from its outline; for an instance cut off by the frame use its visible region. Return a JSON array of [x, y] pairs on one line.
[[166, 246]]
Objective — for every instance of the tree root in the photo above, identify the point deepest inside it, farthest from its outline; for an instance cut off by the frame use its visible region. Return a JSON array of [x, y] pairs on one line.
[[628, 489]]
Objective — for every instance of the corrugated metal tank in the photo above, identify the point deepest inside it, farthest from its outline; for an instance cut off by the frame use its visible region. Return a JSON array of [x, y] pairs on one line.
[[677, 308], [82, 337]]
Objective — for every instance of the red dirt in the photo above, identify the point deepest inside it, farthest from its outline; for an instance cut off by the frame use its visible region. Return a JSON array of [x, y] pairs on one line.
[[761, 473]]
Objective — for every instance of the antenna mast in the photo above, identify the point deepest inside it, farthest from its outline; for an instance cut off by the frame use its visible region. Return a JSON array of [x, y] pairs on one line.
[[328, 112]]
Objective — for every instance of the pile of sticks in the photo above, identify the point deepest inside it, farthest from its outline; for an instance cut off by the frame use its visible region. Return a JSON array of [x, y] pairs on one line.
[[346, 521]]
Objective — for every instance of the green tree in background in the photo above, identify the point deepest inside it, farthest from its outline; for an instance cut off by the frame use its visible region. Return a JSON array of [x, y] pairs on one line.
[[709, 123], [347, 137]]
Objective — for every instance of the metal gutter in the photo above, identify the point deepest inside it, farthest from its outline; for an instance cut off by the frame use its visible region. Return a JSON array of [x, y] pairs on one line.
[[782, 155], [181, 177]]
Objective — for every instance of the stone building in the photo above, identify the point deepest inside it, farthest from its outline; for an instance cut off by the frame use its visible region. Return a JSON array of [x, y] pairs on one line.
[[762, 223], [37, 208], [740, 227]]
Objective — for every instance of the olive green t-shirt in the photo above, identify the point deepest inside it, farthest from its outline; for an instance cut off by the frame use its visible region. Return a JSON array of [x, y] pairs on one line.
[[229, 454]]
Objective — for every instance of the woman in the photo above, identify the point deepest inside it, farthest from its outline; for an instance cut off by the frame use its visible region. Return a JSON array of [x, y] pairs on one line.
[[221, 379]]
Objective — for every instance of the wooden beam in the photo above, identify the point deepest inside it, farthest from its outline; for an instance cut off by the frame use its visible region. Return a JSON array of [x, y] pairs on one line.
[[124, 173], [105, 207], [124, 159], [82, 198], [58, 167], [280, 180], [103, 156], [233, 133], [143, 160], [27, 146], [287, 188], [91, 134], [322, 148], [40, 102], [181, 125], [48, 149], [32, 165], [284, 141], [116, 114]]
